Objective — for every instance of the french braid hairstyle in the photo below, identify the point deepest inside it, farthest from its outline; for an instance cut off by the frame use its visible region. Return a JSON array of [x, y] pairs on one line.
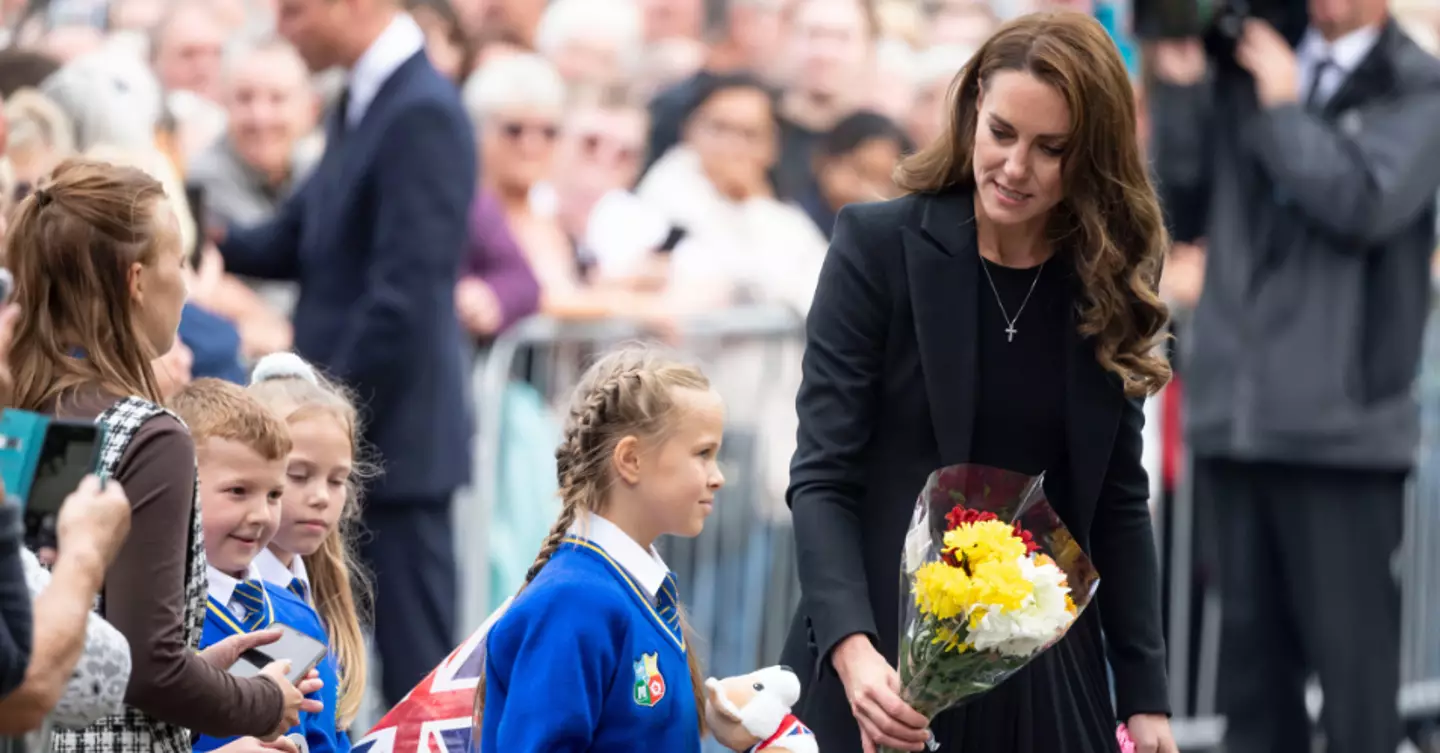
[[630, 392], [340, 586]]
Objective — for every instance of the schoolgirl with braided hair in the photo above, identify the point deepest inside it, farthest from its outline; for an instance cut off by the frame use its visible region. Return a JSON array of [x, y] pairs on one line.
[[594, 653]]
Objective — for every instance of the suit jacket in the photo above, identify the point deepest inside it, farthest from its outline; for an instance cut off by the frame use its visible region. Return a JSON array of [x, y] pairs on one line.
[[888, 396], [376, 238]]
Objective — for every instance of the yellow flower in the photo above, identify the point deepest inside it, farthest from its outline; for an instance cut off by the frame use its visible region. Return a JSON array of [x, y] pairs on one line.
[[985, 541], [951, 640], [1000, 585], [942, 591]]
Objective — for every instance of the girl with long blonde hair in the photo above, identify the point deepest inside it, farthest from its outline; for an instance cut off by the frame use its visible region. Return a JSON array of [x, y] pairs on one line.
[[313, 553]]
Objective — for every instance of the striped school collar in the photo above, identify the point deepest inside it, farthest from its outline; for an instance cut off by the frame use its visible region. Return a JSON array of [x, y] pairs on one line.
[[646, 566]]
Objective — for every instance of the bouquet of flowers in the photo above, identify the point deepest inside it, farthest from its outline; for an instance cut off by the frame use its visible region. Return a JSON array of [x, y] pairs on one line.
[[995, 579]]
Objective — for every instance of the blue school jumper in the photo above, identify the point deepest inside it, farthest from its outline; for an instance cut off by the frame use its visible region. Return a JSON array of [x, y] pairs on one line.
[[319, 729], [583, 661]]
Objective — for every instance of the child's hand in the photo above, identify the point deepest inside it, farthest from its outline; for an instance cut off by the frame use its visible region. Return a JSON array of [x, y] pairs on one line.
[[295, 700]]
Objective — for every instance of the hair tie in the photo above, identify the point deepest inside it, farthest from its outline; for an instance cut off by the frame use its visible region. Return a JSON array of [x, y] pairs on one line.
[[283, 366], [43, 197]]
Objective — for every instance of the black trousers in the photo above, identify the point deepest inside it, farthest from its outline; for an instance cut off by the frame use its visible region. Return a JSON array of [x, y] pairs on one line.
[[410, 550], [1307, 586]]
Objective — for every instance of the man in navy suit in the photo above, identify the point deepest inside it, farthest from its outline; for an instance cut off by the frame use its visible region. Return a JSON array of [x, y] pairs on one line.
[[375, 239]]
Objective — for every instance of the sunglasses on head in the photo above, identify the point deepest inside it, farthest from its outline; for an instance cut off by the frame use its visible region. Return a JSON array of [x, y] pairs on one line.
[[594, 144], [515, 130]]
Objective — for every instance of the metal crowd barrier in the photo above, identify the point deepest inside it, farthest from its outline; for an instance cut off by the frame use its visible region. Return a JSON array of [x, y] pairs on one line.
[[738, 577]]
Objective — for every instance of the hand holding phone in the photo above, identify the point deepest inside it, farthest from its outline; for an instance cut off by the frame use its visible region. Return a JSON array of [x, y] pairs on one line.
[[93, 520], [294, 694]]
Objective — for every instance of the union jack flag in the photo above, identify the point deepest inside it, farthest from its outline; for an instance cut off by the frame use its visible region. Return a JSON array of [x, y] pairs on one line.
[[436, 716]]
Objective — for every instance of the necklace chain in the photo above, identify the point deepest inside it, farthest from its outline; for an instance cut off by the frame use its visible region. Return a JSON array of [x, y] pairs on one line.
[[1010, 330]]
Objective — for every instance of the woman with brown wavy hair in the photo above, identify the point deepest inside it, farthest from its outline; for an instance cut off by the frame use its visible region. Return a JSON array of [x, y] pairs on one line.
[[1003, 313]]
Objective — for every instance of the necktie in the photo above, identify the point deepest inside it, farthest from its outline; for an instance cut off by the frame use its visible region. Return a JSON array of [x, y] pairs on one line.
[[298, 588], [250, 595], [667, 603], [341, 115], [1313, 100]]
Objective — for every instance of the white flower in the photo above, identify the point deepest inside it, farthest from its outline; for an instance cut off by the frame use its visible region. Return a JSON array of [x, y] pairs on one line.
[[1041, 618]]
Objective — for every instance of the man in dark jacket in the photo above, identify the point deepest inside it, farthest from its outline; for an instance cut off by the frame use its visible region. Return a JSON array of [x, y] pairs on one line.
[[1318, 164]]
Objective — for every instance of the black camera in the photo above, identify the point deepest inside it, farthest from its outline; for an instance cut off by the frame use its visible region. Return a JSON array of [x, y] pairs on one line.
[[1218, 23]]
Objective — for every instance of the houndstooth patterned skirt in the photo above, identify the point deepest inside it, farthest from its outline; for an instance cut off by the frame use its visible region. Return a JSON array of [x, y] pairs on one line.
[[132, 731]]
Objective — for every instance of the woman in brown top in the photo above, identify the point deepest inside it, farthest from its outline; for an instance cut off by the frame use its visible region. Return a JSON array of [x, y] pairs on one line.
[[98, 265]]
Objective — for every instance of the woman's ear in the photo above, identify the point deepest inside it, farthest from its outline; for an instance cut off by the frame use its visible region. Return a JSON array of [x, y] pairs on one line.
[[626, 459], [135, 281]]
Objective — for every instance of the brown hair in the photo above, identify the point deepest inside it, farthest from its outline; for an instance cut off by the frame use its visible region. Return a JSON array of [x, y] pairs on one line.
[[1110, 214], [216, 409], [70, 247], [340, 585], [630, 392]]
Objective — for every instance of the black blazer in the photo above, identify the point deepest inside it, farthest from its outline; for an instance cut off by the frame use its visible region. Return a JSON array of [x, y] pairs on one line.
[[375, 237], [889, 373]]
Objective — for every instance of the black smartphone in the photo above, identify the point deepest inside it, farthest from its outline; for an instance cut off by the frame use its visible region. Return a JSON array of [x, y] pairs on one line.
[[7, 285], [195, 197], [303, 652], [69, 452]]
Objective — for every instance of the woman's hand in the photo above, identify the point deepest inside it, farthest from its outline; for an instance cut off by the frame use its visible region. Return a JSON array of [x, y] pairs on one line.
[[478, 307], [224, 654], [1151, 733], [873, 688], [295, 700]]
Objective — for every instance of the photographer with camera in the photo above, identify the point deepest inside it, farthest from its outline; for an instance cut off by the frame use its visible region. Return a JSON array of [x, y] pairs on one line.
[[1316, 167]]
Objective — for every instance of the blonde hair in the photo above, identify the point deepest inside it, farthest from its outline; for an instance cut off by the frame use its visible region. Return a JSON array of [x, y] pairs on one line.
[[36, 121], [630, 392], [340, 586], [216, 409]]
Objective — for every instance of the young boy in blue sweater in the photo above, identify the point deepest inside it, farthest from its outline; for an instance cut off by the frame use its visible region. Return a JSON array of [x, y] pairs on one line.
[[241, 450], [593, 655]]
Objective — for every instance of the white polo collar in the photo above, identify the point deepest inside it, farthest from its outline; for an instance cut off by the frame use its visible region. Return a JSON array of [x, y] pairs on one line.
[[644, 565], [275, 572]]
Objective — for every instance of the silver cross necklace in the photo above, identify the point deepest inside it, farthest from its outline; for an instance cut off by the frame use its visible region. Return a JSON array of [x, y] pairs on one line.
[[1010, 330]]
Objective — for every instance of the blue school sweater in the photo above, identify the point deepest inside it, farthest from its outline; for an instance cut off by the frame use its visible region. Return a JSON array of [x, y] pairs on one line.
[[582, 662], [319, 729]]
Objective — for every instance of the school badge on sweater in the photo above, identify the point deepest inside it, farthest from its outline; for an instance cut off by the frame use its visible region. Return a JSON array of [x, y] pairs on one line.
[[649, 684]]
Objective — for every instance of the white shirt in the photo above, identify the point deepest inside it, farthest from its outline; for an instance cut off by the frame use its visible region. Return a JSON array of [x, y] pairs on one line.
[[397, 44], [221, 587], [273, 571], [644, 565], [1345, 55]]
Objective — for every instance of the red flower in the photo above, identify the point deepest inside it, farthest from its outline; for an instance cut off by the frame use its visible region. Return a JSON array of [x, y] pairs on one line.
[[962, 515], [1030, 546]]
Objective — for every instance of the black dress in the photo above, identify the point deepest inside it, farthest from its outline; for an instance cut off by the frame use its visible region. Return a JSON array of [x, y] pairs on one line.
[[1060, 702]]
